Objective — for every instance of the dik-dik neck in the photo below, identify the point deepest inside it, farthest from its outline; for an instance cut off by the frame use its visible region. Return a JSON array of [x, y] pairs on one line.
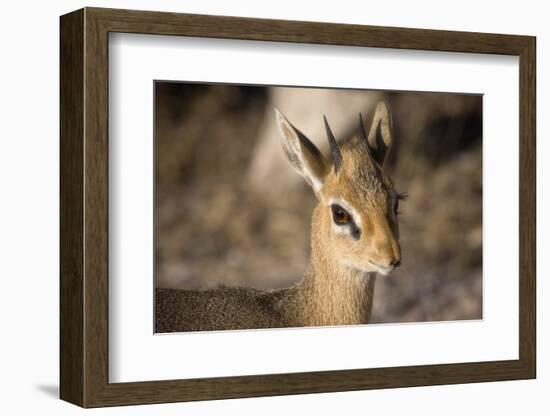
[[332, 293]]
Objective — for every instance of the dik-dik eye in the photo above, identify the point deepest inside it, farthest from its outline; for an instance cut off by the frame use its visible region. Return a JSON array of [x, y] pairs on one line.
[[398, 197], [340, 215]]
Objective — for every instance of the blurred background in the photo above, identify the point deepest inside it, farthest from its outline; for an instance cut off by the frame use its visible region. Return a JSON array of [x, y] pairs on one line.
[[230, 209]]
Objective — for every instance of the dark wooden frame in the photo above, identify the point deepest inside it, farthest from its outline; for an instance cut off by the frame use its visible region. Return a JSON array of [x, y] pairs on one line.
[[84, 214]]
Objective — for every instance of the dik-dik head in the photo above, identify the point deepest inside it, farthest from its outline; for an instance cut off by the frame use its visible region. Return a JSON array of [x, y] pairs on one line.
[[358, 204]]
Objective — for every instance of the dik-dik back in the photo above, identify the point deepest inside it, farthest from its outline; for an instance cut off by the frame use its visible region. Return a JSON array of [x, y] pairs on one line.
[[217, 309]]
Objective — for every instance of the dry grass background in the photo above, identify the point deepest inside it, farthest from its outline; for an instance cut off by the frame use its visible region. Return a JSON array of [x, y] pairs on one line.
[[214, 227]]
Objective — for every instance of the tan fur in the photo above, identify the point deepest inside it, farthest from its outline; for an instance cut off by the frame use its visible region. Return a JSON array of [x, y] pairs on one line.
[[338, 287]]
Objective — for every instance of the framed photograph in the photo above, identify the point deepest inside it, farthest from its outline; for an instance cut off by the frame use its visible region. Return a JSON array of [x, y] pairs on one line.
[[263, 207]]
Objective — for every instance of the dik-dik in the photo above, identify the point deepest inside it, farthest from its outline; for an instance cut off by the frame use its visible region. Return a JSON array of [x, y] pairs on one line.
[[354, 236]]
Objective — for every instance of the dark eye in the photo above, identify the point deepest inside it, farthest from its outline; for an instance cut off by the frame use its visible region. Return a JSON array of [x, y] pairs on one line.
[[396, 207], [340, 215], [398, 197]]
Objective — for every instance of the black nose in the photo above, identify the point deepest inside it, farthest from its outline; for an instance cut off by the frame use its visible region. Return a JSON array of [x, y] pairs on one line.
[[395, 263]]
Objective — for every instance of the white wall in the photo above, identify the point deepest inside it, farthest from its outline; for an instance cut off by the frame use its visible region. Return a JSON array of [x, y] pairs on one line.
[[29, 208]]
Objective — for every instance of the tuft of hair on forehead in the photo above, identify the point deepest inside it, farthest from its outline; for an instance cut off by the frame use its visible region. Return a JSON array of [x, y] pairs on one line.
[[362, 170], [356, 156]]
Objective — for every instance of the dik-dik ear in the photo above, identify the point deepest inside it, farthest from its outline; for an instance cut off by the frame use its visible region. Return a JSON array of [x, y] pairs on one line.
[[380, 134], [306, 159]]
